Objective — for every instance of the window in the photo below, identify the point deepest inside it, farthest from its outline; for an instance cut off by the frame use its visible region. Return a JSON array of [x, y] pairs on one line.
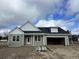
[[13, 38], [17, 38], [37, 38], [54, 30]]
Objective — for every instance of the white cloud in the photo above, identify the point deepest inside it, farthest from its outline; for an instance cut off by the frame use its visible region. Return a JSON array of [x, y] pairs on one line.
[[44, 23], [75, 31], [11, 10], [53, 23], [4, 32], [19, 11], [73, 6]]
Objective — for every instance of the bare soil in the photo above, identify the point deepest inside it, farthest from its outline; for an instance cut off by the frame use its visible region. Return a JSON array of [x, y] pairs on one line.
[[55, 52]]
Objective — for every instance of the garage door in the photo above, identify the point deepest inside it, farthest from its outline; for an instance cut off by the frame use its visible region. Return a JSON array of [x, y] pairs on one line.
[[55, 41]]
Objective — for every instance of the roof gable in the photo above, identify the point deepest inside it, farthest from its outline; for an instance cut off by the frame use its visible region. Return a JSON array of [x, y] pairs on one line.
[[48, 30], [17, 31], [28, 26]]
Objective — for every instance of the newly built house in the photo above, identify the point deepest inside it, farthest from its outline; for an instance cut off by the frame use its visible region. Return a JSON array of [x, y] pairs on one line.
[[29, 35]]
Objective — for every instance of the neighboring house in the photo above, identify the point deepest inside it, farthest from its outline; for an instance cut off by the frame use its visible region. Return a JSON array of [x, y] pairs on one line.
[[3, 37], [75, 37], [29, 35]]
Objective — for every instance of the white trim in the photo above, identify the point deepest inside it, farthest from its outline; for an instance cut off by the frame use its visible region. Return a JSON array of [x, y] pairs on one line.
[[54, 30], [34, 34], [46, 34], [33, 39], [57, 34]]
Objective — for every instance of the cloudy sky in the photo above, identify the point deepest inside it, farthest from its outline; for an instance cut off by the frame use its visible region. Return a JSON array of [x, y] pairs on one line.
[[62, 13]]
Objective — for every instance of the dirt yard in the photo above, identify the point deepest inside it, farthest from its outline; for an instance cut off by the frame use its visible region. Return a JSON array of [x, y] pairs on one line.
[[54, 52]]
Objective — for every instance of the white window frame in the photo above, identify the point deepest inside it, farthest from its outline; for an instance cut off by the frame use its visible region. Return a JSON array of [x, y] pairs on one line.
[[54, 30]]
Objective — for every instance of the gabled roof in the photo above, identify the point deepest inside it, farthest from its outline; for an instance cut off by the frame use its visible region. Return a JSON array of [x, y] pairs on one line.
[[48, 30], [28, 26], [16, 31]]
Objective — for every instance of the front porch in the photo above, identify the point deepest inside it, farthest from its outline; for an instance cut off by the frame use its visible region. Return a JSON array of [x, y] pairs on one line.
[[34, 40]]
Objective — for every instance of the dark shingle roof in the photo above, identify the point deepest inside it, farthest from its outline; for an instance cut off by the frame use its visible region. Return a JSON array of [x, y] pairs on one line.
[[32, 31], [60, 30], [48, 30], [45, 29]]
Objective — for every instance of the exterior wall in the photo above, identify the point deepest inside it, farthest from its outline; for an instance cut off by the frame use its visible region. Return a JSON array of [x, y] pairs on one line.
[[16, 43], [38, 43], [42, 42]]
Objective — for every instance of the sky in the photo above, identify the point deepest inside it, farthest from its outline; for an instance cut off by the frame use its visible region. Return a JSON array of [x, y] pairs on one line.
[[42, 13]]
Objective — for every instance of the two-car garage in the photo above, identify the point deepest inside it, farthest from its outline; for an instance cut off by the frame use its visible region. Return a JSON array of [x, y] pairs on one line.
[[57, 40]]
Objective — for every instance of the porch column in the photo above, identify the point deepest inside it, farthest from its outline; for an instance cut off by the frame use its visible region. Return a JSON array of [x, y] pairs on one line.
[[44, 40], [33, 39], [66, 40], [44, 43]]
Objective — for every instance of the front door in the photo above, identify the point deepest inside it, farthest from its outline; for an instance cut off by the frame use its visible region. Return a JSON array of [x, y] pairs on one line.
[[28, 40]]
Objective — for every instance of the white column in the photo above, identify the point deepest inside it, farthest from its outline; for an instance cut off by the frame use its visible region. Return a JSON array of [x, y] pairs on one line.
[[66, 40], [44, 41], [33, 39], [22, 37]]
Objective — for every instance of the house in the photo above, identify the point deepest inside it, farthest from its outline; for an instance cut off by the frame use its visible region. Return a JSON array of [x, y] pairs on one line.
[[29, 35], [3, 37]]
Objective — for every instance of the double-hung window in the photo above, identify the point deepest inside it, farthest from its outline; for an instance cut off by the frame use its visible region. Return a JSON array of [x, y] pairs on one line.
[[14, 38], [37, 38], [17, 38]]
